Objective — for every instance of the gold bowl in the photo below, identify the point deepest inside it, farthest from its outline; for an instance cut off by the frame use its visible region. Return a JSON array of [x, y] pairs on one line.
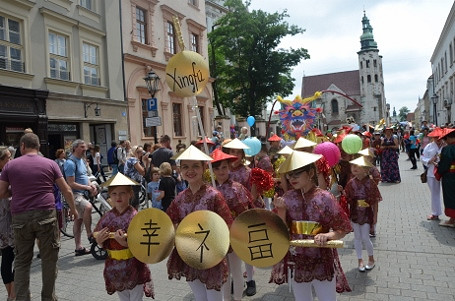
[[306, 227]]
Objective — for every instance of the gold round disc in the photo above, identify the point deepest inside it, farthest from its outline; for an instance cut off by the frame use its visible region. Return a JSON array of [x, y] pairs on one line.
[[202, 239], [151, 235], [259, 237]]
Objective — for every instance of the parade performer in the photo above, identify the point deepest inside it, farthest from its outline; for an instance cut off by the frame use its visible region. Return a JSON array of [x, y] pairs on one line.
[[313, 267], [242, 174], [430, 159], [205, 284], [375, 175], [362, 193], [239, 200], [390, 171], [446, 168], [123, 273]]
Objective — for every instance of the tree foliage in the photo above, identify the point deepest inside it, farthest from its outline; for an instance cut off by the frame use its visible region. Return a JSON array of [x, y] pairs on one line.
[[403, 113], [250, 69]]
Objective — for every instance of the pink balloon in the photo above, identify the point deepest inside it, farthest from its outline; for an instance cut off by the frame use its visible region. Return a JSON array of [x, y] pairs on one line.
[[330, 151]]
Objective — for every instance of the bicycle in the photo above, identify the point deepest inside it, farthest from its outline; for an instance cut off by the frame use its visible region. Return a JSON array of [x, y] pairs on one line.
[[65, 219]]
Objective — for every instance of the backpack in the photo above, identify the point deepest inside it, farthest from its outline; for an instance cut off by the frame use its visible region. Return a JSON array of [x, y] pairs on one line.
[[115, 156]]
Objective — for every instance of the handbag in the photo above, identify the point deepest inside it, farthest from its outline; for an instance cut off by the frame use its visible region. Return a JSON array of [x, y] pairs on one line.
[[423, 177]]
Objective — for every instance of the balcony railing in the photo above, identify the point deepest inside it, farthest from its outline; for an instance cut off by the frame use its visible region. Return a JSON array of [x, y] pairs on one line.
[[12, 65]]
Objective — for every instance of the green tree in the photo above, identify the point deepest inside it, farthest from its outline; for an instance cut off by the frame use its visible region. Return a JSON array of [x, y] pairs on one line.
[[250, 68], [403, 113]]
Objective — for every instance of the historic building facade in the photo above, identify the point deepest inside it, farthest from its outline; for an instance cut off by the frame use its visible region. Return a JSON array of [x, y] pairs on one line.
[[441, 83], [365, 86], [61, 72], [149, 41]]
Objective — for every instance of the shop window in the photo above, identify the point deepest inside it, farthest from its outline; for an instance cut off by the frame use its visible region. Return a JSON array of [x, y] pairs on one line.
[[90, 56], [177, 118], [58, 60], [11, 48]]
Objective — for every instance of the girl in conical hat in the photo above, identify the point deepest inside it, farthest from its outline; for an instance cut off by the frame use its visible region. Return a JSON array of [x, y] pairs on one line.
[[123, 273], [239, 200], [206, 284], [313, 267]]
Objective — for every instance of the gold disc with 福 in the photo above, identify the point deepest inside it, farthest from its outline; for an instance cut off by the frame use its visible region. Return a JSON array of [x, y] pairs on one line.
[[187, 73], [151, 235], [259, 237], [202, 239]]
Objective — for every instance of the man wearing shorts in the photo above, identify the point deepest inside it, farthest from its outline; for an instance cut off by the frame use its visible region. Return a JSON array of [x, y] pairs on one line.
[[77, 177]]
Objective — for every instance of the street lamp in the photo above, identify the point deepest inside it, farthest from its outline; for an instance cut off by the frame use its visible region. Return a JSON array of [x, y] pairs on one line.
[[435, 99], [152, 80]]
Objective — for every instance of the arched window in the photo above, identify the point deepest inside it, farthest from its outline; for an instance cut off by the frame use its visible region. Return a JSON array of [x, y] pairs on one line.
[[362, 79], [375, 78], [334, 104], [369, 78]]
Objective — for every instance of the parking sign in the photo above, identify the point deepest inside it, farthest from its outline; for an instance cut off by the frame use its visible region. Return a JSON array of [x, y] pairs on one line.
[[152, 104]]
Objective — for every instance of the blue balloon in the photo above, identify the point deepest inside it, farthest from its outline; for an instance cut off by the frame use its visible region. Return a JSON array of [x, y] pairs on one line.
[[254, 144], [250, 120]]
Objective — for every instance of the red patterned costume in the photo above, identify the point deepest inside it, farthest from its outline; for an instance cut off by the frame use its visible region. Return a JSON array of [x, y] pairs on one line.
[[242, 175], [365, 189], [206, 198], [313, 263], [121, 275], [237, 197]]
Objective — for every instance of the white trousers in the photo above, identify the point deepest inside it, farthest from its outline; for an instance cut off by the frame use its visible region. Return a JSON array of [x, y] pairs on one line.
[[201, 293], [249, 272], [362, 235], [435, 190], [325, 290], [235, 274], [134, 294]]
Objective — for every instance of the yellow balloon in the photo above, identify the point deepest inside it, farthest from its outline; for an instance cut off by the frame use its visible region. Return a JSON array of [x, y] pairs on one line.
[[187, 73]]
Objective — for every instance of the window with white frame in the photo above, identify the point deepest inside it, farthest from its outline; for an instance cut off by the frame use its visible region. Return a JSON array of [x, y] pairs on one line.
[[58, 56], [88, 4], [177, 118], [170, 33], [91, 64], [11, 47], [141, 25], [194, 42], [193, 2]]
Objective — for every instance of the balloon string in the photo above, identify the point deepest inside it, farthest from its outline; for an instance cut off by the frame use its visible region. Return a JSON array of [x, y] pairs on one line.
[[178, 33]]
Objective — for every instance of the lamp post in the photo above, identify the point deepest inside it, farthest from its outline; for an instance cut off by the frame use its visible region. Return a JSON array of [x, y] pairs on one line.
[[435, 99], [152, 80]]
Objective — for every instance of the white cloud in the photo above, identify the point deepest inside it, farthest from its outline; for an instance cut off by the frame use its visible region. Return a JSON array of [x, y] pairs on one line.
[[406, 32]]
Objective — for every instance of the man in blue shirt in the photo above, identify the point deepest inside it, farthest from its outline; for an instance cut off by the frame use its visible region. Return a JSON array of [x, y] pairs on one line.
[[110, 158], [77, 177], [414, 148]]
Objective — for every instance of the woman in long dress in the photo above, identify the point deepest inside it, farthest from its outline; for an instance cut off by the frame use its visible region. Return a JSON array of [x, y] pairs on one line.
[[390, 171]]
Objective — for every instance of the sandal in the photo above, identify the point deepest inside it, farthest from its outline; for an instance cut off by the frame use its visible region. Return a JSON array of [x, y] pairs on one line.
[[447, 224], [433, 218], [82, 252]]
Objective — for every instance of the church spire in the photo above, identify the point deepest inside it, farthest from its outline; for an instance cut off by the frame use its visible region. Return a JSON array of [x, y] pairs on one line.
[[366, 39]]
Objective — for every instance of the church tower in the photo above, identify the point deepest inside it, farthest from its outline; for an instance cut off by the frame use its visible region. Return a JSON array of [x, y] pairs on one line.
[[371, 77]]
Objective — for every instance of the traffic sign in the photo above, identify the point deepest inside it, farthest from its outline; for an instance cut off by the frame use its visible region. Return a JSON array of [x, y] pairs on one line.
[[152, 121], [152, 104]]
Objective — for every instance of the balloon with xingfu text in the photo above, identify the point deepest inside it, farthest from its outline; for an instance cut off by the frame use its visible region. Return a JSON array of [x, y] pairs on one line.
[[187, 73]]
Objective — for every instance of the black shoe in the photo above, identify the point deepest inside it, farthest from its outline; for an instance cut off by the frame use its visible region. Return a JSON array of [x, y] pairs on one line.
[[414, 167], [250, 288]]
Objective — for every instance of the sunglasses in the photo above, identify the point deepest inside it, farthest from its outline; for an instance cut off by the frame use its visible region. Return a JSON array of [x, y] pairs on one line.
[[294, 175]]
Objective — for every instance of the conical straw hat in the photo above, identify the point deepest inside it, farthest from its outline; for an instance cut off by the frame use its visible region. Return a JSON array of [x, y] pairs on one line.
[[237, 144], [219, 155], [298, 159], [366, 152], [193, 153], [302, 143], [361, 161], [285, 151], [119, 180]]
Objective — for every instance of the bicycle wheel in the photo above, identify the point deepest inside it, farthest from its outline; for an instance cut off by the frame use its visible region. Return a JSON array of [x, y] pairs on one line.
[[97, 252], [67, 222], [142, 194]]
